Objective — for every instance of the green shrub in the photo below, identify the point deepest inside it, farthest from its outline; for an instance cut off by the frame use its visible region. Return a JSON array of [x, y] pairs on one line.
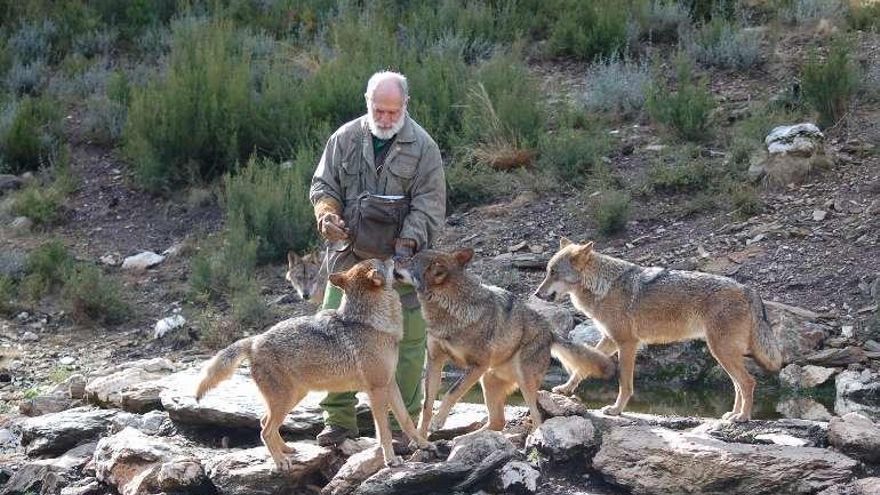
[[864, 16], [473, 184], [685, 109], [47, 268], [7, 295], [586, 30], [88, 295], [721, 44], [692, 176], [661, 21], [802, 12], [572, 154], [30, 130], [612, 212], [746, 201], [618, 85], [41, 204], [273, 203], [828, 85]]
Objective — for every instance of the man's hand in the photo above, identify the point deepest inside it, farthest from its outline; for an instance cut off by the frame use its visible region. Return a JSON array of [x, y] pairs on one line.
[[404, 248], [332, 227]]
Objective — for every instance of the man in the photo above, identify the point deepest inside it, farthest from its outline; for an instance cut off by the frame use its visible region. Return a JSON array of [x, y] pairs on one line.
[[384, 152]]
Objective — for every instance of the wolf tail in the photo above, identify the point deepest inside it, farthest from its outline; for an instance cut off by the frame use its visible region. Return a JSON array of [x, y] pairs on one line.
[[764, 346], [582, 360], [223, 365]]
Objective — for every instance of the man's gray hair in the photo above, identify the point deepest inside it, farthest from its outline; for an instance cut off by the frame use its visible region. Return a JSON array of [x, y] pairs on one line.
[[383, 76]]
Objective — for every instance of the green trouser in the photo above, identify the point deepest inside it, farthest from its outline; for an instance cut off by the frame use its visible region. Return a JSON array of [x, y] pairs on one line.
[[339, 407]]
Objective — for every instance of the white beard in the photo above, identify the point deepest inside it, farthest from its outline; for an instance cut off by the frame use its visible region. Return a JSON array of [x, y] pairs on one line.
[[385, 134]]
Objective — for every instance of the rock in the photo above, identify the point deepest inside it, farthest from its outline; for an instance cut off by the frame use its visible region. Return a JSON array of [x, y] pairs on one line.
[[45, 404], [109, 388], [858, 392], [471, 449], [796, 329], [111, 259], [9, 183], [660, 461], [30, 477], [560, 318], [563, 438], [58, 432], [837, 357], [857, 436], [415, 477], [782, 439], [808, 376], [235, 403], [22, 224], [30, 337], [553, 405], [130, 461], [13, 263], [793, 154], [803, 408], [812, 433], [86, 486], [67, 360], [819, 215], [76, 386], [165, 325], [529, 261], [253, 472], [142, 261], [864, 486], [183, 475], [141, 398], [586, 333], [356, 469], [517, 247], [518, 477]]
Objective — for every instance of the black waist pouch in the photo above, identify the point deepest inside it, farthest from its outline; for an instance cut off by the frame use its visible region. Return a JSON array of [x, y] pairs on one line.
[[377, 221]]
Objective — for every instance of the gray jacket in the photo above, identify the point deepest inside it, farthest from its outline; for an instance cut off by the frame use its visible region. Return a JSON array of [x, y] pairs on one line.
[[413, 168]]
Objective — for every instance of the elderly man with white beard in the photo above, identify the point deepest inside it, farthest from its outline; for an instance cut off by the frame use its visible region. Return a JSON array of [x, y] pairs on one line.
[[379, 191]]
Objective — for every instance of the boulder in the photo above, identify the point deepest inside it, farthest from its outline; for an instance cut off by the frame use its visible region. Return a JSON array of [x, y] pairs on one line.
[[856, 436], [142, 261], [660, 461], [33, 476], [519, 478], [858, 391], [793, 153], [253, 472], [59, 432], [563, 438], [808, 376]]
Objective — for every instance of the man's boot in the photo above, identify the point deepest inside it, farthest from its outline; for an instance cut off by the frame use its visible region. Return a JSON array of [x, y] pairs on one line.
[[333, 435]]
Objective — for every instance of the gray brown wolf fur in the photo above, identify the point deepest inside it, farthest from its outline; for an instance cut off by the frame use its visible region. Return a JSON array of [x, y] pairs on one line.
[[502, 342], [308, 276], [632, 304], [352, 348]]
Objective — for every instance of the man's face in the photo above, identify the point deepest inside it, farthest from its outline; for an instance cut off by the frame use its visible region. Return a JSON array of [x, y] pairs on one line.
[[386, 111]]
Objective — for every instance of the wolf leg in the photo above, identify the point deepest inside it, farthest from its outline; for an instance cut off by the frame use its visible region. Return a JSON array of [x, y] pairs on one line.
[[627, 356], [606, 346], [379, 407], [436, 360], [279, 402], [453, 396], [730, 355], [406, 424], [528, 385], [495, 392]]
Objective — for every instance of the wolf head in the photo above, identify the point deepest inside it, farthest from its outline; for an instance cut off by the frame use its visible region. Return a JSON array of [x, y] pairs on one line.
[[369, 295], [302, 273], [430, 270], [565, 270]]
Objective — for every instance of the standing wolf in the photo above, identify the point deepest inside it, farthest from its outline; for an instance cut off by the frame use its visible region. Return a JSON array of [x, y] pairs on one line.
[[503, 342], [352, 348], [632, 304]]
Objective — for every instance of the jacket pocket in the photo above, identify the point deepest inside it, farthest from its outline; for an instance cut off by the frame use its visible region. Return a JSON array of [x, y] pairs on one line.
[[402, 170], [350, 180]]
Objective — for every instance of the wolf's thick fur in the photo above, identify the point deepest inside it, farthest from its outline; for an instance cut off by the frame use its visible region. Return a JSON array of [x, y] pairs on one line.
[[307, 275], [352, 348], [633, 304], [503, 342]]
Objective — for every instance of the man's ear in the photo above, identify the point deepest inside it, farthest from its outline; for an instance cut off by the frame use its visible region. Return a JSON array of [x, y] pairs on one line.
[[292, 259], [376, 277], [463, 256], [564, 242], [339, 279]]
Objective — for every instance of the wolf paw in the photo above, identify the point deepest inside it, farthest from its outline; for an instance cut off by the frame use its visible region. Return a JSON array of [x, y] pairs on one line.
[[437, 423], [284, 464], [287, 449], [735, 417], [611, 411], [394, 461], [562, 389]]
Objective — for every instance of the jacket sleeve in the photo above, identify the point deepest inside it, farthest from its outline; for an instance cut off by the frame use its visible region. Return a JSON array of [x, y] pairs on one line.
[[427, 199], [325, 181]]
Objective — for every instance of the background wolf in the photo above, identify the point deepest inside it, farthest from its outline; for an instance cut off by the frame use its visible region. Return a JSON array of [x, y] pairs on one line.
[[307, 275], [632, 304], [503, 342], [352, 348]]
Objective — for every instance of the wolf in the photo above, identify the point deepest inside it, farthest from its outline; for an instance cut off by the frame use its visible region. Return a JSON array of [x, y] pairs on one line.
[[352, 348], [633, 304], [308, 276], [503, 343]]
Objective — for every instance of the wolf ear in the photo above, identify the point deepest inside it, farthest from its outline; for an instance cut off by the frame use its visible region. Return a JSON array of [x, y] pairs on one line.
[[564, 242], [376, 278], [338, 279], [463, 256], [582, 253], [292, 258]]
